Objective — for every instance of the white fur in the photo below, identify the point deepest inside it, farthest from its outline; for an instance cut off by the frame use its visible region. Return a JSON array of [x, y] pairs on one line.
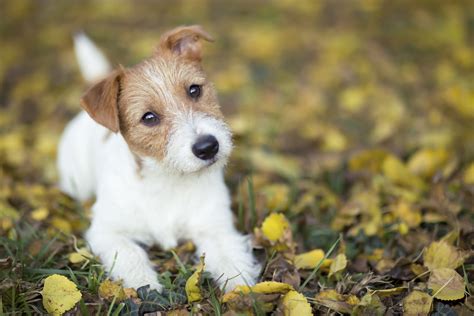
[[180, 198], [92, 61]]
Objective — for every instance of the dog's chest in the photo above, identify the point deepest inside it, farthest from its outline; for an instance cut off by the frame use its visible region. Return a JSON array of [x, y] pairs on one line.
[[167, 209]]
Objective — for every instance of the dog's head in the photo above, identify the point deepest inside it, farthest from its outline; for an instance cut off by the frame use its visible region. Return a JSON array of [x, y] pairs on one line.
[[165, 107]]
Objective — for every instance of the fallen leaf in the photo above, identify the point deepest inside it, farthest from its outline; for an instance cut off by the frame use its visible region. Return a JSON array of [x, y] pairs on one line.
[[267, 287], [468, 174], [389, 292], [417, 303], [440, 254], [410, 215], [338, 264], [193, 291], [40, 214], [112, 289], [309, 260], [80, 256], [59, 294], [370, 304], [337, 302], [396, 171], [274, 226], [427, 161], [277, 196], [61, 224], [446, 284], [368, 160], [295, 304]]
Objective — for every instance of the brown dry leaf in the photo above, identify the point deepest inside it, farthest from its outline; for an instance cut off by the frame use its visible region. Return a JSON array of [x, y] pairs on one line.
[[446, 284], [440, 254], [338, 264], [337, 302], [389, 292], [112, 289], [417, 303], [295, 304]]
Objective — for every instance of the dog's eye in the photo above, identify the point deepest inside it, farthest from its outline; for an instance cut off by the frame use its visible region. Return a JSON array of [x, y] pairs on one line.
[[150, 119], [194, 91]]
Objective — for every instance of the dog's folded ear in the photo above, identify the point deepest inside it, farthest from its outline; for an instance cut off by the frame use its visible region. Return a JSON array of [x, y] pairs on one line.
[[100, 101], [184, 41]]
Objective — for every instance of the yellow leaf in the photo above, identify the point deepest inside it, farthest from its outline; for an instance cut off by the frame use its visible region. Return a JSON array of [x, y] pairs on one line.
[[368, 160], [334, 140], [337, 302], [417, 303], [440, 254], [339, 264], [295, 304], [396, 171], [81, 255], [193, 291], [446, 284], [407, 213], [426, 162], [61, 224], [59, 294], [277, 196], [274, 226], [468, 175], [40, 214], [267, 287], [370, 304], [309, 260], [283, 165], [110, 290]]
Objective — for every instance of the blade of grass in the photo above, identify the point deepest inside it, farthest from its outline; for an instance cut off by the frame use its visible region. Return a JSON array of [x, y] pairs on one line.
[[315, 270], [240, 212], [253, 211], [83, 308], [181, 266]]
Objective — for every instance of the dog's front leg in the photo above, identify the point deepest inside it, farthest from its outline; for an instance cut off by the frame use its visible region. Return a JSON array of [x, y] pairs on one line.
[[228, 257], [122, 257]]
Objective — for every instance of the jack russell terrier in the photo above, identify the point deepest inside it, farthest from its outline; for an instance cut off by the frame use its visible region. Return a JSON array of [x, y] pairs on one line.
[[151, 146]]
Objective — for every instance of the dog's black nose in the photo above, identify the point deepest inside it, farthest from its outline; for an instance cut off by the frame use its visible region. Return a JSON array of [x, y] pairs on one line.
[[206, 147]]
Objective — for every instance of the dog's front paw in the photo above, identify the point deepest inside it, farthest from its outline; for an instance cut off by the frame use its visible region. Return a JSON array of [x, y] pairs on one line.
[[246, 276]]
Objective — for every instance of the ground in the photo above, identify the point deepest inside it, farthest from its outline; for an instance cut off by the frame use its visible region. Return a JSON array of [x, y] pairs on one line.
[[353, 170]]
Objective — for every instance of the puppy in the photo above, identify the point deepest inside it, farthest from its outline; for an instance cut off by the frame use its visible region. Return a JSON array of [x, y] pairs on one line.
[[151, 146]]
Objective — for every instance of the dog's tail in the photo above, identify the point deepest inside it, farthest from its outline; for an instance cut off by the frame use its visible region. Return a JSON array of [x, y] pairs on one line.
[[92, 62]]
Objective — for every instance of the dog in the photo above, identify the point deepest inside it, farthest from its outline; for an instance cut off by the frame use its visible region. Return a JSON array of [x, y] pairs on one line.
[[151, 145]]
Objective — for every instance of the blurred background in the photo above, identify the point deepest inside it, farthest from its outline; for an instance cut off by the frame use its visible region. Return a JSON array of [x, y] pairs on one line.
[[301, 82], [350, 116]]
